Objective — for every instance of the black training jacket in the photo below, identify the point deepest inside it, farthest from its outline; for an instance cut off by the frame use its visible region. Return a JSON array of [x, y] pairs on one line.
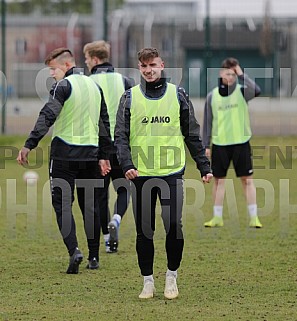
[[190, 128], [60, 150]]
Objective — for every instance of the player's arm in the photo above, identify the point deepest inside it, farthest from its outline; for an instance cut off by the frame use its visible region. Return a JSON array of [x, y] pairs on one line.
[[207, 123], [128, 83], [105, 144], [249, 88], [191, 131], [122, 133], [47, 116]]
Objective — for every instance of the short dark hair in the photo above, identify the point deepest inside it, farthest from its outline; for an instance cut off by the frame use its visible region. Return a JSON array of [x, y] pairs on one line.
[[146, 54], [229, 63], [57, 53]]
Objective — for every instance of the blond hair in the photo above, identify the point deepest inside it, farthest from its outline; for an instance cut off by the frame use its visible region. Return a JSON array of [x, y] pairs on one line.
[[99, 49]]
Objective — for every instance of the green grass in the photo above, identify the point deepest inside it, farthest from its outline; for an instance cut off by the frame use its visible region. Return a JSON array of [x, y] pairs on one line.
[[231, 273]]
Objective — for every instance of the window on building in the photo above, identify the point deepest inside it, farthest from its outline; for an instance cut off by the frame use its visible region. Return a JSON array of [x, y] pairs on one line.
[[132, 47], [167, 46], [21, 47]]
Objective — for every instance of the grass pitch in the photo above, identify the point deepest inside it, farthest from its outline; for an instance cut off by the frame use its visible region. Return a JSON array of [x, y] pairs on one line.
[[230, 273]]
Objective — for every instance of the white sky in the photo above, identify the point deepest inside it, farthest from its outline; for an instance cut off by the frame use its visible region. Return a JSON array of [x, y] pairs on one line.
[[242, 8], [250, 8]]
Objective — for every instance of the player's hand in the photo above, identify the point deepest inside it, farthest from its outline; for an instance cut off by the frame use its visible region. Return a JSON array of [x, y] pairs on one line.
[[207, 152], [207, 178], [104, 165], [131, 173], [22, 158], [237, 69]]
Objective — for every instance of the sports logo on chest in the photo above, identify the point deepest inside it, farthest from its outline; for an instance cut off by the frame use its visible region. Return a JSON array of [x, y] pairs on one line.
[[155, 120]]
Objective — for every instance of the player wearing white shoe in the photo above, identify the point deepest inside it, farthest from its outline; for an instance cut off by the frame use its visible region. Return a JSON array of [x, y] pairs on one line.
[[154, 121]]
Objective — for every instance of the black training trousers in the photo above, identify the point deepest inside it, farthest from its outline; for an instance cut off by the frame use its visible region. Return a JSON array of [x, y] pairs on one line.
[[64, 177], [144, 196], [122, 188]]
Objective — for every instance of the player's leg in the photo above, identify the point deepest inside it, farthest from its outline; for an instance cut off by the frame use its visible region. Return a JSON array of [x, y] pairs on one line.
[[218, 193], [243, 166], [87, 185], [122, 188], [144, 202], [62, 178], [103, 198], [250, 195], [220, 162], [171, 199]]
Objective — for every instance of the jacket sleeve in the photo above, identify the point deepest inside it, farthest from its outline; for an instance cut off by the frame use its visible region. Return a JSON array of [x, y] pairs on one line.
[[105, 144], [122, 133], [128, 82], [249, 88], [191, 131], [49, 113], [207, 122]]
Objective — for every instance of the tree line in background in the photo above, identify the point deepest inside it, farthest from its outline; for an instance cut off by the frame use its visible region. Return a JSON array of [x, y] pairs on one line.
[[48, 7]]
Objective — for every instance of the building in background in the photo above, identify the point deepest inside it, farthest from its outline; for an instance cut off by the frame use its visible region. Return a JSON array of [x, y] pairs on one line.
[[31, 38], [193, 36], [190, 38]]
